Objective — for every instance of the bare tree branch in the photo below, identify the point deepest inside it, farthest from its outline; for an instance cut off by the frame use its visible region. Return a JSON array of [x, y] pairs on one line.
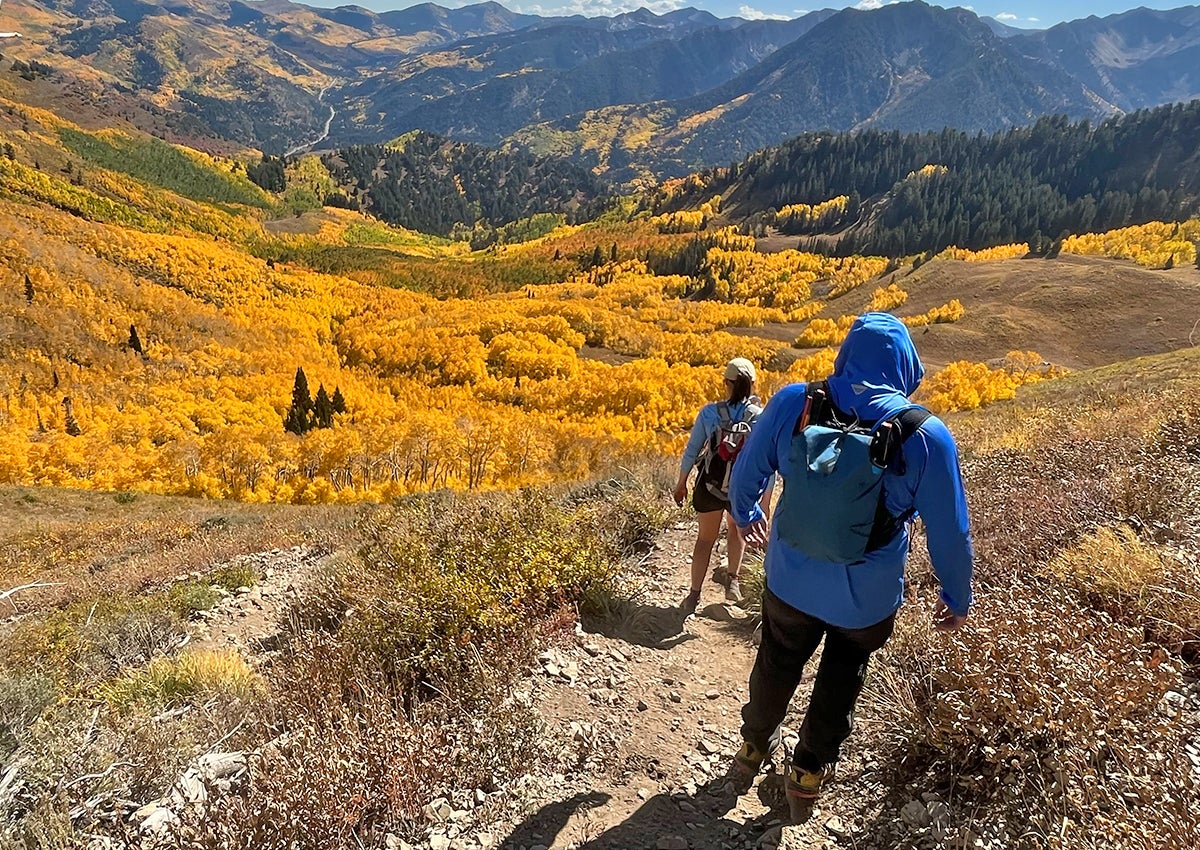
[[8, 594]]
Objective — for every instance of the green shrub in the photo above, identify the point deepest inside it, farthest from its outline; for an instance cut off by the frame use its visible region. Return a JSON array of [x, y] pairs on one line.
[[188, 597], [234, 576], [83, 645], [23, 697]]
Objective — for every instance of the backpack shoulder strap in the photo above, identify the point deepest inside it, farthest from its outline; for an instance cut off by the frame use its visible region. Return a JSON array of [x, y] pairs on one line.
[[816, 405], [892, 432], [723, 412]]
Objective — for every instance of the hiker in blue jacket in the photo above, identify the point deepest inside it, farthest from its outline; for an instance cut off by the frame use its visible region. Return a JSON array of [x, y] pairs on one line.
[[849, 600], [740, 409]]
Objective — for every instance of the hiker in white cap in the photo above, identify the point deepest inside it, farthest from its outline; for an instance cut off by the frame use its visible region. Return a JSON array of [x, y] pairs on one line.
[[720, 431]]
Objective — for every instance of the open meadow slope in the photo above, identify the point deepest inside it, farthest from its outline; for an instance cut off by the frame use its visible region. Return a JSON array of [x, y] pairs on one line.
[[317, 532]]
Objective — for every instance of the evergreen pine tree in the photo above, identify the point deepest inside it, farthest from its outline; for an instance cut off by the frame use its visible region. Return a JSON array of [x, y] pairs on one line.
[[597, 257], [1170, 264], [72, 424], [612, 253], [28, 289], [135, 341], [299, 415], [338, 401], [322, 409]]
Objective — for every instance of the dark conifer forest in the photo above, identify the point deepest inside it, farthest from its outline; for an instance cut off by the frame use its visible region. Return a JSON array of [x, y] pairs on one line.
[[1030, 184]]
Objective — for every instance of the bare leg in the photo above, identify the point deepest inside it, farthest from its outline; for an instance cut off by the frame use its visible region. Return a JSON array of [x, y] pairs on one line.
[[706, 539], [736, 547]]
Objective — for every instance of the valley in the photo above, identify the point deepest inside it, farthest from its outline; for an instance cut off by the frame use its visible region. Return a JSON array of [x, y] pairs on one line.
[[347, 358]]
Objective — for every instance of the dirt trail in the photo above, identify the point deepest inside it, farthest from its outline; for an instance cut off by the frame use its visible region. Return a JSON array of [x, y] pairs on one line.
[[662, 697], [248, 619]]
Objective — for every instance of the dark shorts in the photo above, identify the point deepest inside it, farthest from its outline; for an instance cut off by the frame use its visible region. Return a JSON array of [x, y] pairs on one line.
[[705, 502]]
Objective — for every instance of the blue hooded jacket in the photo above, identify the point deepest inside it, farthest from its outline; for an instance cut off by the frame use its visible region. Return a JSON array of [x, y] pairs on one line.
[[876, 369]]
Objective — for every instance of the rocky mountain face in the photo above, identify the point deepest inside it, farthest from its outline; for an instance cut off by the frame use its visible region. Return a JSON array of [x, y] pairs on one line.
[[636, 93]]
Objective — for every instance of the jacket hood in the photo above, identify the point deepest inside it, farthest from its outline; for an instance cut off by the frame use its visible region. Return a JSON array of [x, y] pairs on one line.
[[877, 368]]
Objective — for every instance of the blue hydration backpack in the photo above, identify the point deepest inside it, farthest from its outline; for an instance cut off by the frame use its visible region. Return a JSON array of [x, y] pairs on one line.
[[832, 508]]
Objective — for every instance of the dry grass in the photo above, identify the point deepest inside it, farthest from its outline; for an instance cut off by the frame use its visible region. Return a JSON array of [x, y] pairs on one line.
[[91, 544], [166, 682], [1045, 716], [1137, 583]]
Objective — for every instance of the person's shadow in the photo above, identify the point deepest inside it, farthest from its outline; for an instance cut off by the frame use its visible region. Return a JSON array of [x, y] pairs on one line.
[[692, 817], [652, 626]]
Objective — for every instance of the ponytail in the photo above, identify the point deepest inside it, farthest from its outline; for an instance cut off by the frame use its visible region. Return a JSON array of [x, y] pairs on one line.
[[740, 390]]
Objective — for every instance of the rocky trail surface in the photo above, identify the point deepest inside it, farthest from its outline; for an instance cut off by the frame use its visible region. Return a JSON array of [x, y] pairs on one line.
[[653, 700], [641, 711]]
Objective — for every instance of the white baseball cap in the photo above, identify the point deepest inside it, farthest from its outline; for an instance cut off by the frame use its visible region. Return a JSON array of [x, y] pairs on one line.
[[740, 366]]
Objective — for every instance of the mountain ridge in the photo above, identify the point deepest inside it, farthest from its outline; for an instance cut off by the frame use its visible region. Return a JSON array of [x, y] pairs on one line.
[[640, 95]]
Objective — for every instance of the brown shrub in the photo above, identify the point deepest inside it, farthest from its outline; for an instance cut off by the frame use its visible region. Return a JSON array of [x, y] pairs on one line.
[[1049, 716]]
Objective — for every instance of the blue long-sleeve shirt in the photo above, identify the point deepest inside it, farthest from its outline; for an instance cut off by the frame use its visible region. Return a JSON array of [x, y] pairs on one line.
[[879, 370]]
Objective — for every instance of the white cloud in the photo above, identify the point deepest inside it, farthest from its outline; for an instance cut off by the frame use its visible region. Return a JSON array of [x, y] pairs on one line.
[[751, 14], [1007, 16], [1034, 20]]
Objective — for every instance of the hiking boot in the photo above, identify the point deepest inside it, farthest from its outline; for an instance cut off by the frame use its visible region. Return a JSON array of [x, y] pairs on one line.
[[733, 591], [748, 761], [803, 787], [690, 602]]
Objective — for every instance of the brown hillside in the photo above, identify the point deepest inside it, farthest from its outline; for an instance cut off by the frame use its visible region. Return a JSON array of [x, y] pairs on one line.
[[1078, 312]]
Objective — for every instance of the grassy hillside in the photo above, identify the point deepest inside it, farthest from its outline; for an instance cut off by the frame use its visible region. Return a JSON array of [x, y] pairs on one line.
[[516, 410], [154, 332]]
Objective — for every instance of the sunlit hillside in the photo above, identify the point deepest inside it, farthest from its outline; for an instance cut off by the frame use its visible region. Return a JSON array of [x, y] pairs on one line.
[[159, 306], [317, 532]]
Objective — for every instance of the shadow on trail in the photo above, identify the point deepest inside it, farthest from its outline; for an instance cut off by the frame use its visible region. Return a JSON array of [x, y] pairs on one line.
[[651, 626], [698, 819]]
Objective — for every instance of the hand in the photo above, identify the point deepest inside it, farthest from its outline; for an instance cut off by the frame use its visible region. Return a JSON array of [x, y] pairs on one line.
[[680, 493], [756, 534], [946, 620]]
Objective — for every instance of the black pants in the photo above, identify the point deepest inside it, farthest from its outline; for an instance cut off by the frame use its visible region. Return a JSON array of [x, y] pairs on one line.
[[789, 638]]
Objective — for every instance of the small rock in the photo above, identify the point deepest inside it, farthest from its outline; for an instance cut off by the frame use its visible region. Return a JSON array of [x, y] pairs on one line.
[[438, 841], [672, 842], [939, 812], [486, 840], [718, 612], [713, 695], [591, 649], [914, 813], [708, 747], [438, 810], [675, 697], [642, 705], [159, 821], [837, 827], [616, 655]]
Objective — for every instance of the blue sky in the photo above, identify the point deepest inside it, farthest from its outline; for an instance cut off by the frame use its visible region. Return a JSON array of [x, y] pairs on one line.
[[1022, 13]]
